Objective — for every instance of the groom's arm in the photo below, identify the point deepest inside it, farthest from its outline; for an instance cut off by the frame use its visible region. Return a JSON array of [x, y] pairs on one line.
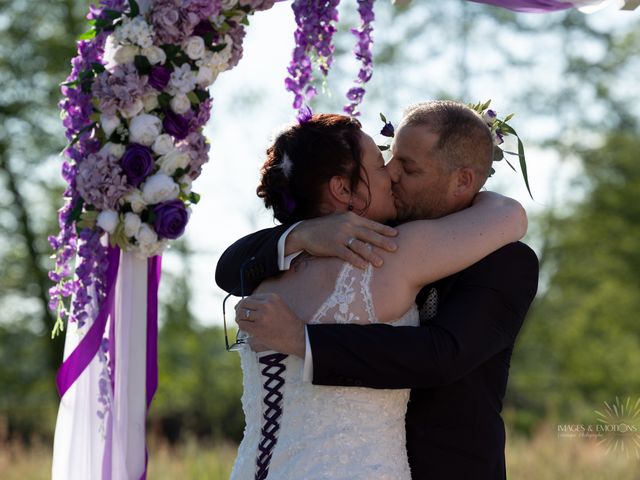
[[267, 252], [262, 247], [481, 317]]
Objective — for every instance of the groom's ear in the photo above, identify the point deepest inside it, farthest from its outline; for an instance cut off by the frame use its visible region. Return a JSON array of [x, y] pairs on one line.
[[339, 189], [465, 181]]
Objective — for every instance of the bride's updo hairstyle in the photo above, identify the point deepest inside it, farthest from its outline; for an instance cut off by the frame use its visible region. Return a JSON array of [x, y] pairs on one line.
[[303, 159]]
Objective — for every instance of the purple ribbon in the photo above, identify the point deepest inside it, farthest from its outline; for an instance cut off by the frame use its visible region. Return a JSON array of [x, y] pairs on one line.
[[88, 347], [154, 270], [532, 6]]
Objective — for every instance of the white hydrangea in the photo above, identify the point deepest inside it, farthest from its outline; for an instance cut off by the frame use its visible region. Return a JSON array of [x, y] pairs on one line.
[[183, 80], [134, 31]]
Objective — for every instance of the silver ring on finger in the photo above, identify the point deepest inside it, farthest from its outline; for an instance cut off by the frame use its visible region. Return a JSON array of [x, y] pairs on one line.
[[247, 312], [350, 242]]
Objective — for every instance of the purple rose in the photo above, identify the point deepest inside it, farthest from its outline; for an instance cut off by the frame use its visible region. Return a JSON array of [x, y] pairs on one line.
[[159, 77], [171, 219], [175, 125], [137, 163]]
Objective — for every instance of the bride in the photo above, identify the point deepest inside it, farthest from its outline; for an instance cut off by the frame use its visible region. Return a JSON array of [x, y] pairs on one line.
[[296, 430]]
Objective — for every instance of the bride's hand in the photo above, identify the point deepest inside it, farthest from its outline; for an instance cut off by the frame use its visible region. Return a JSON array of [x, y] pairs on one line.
[[342, 235], [271, 324]]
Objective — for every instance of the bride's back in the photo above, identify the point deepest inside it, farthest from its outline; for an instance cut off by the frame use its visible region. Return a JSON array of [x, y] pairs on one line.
[[329, 290]]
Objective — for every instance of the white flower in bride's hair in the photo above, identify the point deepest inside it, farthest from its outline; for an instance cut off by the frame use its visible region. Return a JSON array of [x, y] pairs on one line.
[[286, 165]]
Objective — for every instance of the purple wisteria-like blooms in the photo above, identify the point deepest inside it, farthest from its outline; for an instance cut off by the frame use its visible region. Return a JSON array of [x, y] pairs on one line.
[[314, 37], [363, 53], [170, 219], [137, 163]]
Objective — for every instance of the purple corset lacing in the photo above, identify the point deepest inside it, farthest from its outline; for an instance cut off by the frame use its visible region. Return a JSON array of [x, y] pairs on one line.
[[272, 371]]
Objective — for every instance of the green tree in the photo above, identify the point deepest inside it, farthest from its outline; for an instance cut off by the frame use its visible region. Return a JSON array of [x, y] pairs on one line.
[[581, 343]]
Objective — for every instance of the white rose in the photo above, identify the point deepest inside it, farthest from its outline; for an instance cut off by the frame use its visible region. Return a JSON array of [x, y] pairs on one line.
[[146, 235], [180, 103], [194, 47], [125, 54], [206, 76], [185, 184], [115, 149], [132, 224], [133, 109], [108, 220], [159, 188], [144, 129], [155, 55], [163, 144], [109, 123], [150, 101], [134, 197], [172, 161]]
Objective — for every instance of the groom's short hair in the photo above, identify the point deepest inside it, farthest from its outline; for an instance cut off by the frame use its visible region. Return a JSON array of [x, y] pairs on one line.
[[464, 139]]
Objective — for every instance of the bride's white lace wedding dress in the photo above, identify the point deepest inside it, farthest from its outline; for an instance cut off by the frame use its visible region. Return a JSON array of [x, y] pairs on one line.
[[296, 430]]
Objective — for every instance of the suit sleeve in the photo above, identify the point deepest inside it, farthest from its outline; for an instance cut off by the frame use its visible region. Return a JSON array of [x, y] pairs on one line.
[[481, 317], [258, 252]]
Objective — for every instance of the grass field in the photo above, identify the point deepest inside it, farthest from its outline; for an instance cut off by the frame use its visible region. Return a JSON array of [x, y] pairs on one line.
[[544, 457]]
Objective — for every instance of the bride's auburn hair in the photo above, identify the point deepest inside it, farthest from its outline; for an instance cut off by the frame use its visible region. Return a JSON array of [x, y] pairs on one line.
[[303, 159]]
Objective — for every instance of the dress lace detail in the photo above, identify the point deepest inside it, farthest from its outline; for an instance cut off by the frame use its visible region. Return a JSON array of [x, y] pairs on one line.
[[335, 433]]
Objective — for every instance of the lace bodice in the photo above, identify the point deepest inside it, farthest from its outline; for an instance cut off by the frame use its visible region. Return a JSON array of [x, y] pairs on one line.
[[302, 431]]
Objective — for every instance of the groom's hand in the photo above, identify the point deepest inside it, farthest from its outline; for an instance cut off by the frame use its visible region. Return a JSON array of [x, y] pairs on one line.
[[343, 235], [271, 324]]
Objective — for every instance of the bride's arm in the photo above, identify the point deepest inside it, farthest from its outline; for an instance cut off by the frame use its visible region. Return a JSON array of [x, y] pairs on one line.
[[432, 249]]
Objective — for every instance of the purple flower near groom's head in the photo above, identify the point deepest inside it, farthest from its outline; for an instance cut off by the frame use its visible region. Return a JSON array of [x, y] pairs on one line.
[[137, 163], [170, 219], [175, 125], [159, 77], [388, 130]]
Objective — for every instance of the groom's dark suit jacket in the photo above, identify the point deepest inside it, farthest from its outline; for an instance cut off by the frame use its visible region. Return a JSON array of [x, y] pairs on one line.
[[457, 363]]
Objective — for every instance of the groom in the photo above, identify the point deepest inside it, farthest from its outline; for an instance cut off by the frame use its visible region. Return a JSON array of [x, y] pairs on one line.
[[457, 361]]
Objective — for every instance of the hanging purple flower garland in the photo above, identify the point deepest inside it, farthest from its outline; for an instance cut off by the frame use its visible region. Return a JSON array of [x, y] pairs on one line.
[[134, 108], [363, 53], [315, 20]]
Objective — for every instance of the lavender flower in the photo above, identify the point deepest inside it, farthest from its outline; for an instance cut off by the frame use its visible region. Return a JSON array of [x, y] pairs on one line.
[[137, 163], [170, 219], [120, 90], [200, 118], [172, 23], [197, 147], [237, 34], [203, 9], [101, 181]]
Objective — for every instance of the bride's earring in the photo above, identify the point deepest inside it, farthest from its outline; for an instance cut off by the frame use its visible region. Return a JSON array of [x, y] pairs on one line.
[[350, 207]]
